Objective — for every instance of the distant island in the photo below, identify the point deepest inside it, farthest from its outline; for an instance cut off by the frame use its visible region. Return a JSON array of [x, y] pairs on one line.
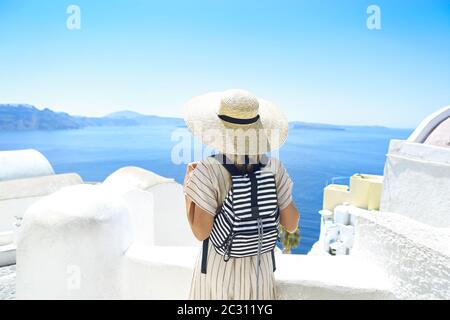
[[21, 117], [18, 117], [315, 126]]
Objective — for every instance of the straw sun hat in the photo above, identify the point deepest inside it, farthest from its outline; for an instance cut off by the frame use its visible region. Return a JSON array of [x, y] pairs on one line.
[[236, 122]]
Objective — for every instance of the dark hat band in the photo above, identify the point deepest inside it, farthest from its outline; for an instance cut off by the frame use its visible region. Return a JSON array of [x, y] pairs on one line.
[[238, 120]]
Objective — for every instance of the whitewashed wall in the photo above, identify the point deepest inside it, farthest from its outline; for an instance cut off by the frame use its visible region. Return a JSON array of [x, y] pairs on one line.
[[417, 182]]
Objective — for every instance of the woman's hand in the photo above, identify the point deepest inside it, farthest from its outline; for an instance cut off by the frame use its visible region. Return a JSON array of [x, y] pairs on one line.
[[289, 217], [189, 170]]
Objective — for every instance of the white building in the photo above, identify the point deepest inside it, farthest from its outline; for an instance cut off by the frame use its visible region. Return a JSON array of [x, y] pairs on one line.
[[129, 238]]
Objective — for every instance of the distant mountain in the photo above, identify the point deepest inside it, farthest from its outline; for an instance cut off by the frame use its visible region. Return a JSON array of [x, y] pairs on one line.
[[315, 126], [125, 114], [27, 117], [144, 120]]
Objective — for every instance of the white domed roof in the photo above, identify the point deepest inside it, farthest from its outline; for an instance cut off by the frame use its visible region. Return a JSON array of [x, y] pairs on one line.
[[440, 136], [434, 129], [19, 164]]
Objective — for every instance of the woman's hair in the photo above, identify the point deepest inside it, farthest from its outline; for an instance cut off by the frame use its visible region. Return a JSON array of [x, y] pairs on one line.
[[243, 165]]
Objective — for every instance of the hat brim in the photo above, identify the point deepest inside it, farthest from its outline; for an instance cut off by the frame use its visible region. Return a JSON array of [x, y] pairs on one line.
[[265, 135]]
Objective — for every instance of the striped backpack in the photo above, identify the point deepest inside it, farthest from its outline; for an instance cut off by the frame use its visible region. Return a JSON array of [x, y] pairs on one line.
[[247, 222]]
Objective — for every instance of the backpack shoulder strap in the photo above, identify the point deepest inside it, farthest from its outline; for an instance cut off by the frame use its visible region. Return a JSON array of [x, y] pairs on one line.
[[204, 255], [228, 164]]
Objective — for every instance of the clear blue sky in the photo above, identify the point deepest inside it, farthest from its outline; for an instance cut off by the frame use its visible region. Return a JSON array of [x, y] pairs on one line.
[[316, 59]]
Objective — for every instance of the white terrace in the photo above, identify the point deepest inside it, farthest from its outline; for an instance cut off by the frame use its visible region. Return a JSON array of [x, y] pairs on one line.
[[128, 237]]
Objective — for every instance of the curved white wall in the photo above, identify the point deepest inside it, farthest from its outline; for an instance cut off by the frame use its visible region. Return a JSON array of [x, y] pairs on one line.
[[20, 164], [128, 178]]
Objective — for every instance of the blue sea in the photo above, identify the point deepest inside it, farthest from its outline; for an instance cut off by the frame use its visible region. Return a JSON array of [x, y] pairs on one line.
[[312, 157]]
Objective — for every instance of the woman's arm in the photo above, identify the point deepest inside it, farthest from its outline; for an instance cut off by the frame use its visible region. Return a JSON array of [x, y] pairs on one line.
[[201, 222], [289, 217]]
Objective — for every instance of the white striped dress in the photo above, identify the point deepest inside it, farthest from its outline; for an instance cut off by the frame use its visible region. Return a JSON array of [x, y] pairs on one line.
[[235, 279]]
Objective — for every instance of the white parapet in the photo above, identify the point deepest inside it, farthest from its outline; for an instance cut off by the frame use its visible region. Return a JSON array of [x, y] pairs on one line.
[[20, 164], [417, 181], [156, 204], [128, 178], [15, 198], [327, 277], [71, 245], [17, 195], [168, 273]]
